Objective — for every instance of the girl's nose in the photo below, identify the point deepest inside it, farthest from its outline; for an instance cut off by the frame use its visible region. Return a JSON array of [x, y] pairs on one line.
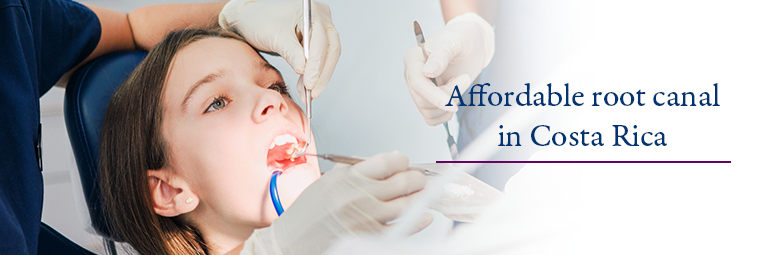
[[268, 103]]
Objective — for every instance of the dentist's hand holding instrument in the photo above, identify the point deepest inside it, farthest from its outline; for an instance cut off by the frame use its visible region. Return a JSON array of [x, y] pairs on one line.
[[349, 199], [278, 27], [456, 55]]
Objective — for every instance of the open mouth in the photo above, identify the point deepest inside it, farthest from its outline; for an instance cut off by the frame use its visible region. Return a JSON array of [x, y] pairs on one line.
[[281, 151]]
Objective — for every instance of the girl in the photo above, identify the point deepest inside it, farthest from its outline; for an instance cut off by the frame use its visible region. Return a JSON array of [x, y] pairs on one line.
[[189, 143]]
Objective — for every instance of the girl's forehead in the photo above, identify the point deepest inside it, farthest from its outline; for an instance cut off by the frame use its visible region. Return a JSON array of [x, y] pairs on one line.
[[212, 55], [217, 51]]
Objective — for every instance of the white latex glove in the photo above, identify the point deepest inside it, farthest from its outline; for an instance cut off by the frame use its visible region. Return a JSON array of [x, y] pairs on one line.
[[345, 200], [278, 27], [456, 55]]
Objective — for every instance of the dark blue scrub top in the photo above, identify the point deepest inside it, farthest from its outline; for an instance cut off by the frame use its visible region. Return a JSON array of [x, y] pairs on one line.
[[40, 40]]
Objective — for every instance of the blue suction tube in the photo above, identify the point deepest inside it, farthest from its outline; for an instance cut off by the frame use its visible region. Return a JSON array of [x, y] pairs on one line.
[[275, 193]]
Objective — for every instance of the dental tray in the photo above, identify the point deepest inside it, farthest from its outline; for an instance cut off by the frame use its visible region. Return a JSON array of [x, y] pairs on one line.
[[463, 197]]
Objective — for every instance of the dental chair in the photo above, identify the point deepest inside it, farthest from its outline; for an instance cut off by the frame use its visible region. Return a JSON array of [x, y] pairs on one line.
[[87, 95]]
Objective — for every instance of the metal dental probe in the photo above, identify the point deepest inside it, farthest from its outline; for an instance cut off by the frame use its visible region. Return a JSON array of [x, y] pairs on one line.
[[421, 43], [336, 158], [306, 48], [352, 161], [274, 192]]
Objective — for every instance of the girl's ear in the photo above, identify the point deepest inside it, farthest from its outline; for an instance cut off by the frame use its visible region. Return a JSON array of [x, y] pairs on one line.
[[171, 195]]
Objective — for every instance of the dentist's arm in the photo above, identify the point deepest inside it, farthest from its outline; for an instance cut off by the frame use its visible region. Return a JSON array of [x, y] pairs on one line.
[[457, 54], [485, 8], [145, 27], [267, 26]]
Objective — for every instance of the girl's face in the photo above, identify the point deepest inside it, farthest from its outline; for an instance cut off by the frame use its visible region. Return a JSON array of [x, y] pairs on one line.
[[229, 123]]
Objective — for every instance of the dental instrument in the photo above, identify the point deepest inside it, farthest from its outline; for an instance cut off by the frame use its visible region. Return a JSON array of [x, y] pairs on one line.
[[306, 35], [335, 158], [306, 48], [421, 43], [352, 161]]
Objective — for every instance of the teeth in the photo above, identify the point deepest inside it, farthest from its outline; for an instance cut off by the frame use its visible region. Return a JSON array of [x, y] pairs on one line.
[[280, 140], [283, 139], [291, 139]]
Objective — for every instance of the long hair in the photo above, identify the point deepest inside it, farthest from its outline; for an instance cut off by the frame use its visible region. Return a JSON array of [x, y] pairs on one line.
[[132, 143]]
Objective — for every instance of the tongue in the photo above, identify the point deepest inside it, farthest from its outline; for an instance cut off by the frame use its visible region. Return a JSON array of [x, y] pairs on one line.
[[279, 156], [279, 152]]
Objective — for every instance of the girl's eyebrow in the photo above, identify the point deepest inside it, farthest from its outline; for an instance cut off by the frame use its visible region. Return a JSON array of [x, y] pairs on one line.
[[210, 78], [268, 66]]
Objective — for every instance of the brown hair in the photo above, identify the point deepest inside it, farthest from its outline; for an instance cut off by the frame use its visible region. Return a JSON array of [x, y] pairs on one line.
[[132, 143]]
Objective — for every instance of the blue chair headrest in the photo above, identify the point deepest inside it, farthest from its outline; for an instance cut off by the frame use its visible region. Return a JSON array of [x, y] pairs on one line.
[[87, 96]]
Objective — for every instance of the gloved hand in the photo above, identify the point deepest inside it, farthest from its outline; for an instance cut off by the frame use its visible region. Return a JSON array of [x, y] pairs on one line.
[[345, 200], [457, 54], [278, 27]]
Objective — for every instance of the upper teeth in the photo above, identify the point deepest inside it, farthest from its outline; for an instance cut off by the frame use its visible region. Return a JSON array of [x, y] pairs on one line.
[[282, 139]]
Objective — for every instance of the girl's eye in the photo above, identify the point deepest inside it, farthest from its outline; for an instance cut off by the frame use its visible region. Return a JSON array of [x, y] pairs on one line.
[[279, 87], [276, 87], [217, 104]]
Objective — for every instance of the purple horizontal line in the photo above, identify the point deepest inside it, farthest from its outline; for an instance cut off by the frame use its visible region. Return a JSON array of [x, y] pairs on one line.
[[587, 162]]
